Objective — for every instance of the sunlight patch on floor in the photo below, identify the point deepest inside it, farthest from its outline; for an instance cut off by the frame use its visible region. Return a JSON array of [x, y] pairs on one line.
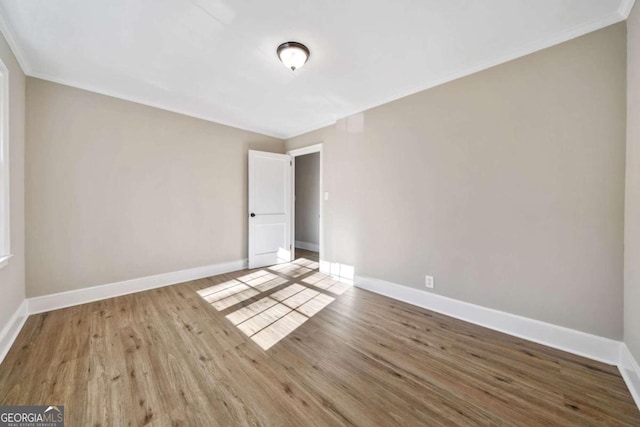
[[291, 269], [314, 265], [327, 283], [272, 318], [234, 291]]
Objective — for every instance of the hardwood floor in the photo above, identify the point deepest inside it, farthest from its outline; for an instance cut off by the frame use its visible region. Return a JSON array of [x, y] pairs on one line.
[[169, 357]]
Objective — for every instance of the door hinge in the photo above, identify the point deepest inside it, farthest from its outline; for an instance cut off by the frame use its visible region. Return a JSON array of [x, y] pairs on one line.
[[290, 162]]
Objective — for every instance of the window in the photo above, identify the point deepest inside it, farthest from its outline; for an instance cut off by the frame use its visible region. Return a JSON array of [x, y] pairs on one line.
[[5, 248]]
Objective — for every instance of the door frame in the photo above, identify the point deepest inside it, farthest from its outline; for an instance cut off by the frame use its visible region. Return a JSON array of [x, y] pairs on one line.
[[316, 148]]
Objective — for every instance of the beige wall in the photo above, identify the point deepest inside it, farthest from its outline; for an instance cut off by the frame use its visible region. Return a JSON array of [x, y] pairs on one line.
[[12, 276], [632, 211], [118, 190], [506, 185], [308, 198]]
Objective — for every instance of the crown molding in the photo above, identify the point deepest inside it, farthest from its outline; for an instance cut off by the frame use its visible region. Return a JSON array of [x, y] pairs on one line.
[[158, 105], [541, 44], [625, 8], [15, 47], [29, 71], [620, 14], [307, 129]]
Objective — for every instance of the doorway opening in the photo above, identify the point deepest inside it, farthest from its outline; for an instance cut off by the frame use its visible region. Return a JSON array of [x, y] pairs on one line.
[[307, 202]]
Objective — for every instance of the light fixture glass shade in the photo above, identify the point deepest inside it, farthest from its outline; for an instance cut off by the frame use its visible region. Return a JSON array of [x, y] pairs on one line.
[[293, 54]]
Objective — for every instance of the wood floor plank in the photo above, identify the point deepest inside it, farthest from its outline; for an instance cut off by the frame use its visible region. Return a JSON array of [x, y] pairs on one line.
[[192, 354]]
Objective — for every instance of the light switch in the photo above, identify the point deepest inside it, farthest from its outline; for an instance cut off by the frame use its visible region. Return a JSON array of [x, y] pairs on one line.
[[326, 195]]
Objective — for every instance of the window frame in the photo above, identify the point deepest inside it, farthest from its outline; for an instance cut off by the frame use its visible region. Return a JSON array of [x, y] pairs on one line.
[[5, 212]]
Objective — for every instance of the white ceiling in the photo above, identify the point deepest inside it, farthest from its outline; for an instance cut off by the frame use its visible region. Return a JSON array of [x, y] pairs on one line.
[[216, 59]]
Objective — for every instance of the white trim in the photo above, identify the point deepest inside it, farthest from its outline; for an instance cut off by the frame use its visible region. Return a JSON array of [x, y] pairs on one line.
[[85, 295], [11, 330], [581, 343], [155, 104], [5, 167], [15, 47], [310, 149], [308, 246], [630, 371], [569, 34], [564, 36], [315, 148], [593, 347], [625, 8], [4, 260], [576, 342], [97, 293], [618, 15]]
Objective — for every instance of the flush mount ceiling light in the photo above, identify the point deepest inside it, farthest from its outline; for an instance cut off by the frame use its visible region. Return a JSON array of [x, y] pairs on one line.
[[293, 54]]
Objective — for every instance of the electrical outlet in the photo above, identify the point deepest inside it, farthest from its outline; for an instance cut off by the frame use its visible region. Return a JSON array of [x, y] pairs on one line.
[[429, 282]]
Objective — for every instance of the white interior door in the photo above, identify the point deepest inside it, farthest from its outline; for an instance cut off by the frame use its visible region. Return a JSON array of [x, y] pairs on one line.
[[269, 209]]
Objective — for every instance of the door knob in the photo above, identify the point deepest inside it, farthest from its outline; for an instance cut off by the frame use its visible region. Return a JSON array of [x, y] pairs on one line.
[[252, 214]]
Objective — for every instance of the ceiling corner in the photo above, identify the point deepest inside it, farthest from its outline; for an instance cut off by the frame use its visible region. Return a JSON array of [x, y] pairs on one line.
[[307, 129], [625, 8], [13, 44]]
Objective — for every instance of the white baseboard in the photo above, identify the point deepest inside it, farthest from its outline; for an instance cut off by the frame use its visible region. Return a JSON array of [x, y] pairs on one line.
[[583, 344], [11, 330], [630, 371], [594, 347], [591, 346], [308, 246], [96, 293], [81, 296]]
